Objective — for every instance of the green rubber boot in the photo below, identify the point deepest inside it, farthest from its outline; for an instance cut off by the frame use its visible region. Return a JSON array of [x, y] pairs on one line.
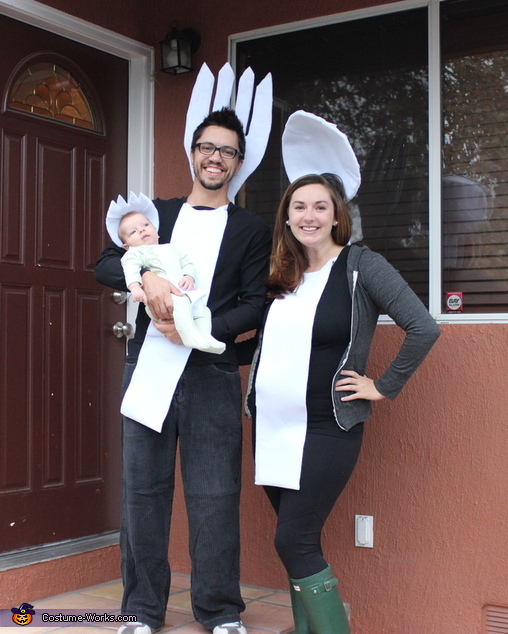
[[299, 616], [322, 603]]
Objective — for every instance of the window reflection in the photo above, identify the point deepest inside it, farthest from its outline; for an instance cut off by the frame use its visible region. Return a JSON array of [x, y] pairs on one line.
[[475, 153], [370, 77]]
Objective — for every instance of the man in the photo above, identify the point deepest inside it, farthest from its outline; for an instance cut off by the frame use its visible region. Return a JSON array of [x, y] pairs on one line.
[[230, 249]]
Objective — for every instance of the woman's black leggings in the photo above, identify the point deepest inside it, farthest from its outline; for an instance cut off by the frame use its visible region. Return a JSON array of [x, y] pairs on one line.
[[328, 462]]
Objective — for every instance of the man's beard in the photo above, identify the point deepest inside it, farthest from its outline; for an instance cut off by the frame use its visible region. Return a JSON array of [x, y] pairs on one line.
[[211, 186]]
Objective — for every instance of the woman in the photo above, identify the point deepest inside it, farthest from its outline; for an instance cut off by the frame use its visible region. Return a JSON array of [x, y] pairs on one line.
[[309, 390]]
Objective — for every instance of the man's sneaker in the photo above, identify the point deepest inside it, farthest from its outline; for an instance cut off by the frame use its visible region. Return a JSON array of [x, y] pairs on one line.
[[230, 628], [136, 628]]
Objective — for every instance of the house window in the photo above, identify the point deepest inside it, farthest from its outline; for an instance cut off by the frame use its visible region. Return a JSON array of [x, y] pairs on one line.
[[46, 89], [474, 75], [372, 77]]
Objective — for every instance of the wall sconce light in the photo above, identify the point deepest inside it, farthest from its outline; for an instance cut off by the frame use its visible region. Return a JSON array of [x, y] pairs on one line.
[[177, 49]]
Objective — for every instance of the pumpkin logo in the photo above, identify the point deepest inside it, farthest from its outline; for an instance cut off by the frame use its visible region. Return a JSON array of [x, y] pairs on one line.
[[23, 614]]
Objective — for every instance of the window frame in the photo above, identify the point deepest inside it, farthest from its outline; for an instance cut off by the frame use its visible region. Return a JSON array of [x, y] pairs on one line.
[[434, 136]]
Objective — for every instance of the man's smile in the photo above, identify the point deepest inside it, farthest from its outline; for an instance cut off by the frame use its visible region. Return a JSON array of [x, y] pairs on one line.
[[213, 169]]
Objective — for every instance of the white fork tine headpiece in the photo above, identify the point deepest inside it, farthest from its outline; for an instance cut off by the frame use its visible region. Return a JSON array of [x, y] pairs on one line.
[[248, 98]]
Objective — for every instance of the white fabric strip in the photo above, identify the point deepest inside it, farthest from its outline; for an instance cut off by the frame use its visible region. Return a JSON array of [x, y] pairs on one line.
[[281, 383], [158, 370], [161, 363], [199, 233]]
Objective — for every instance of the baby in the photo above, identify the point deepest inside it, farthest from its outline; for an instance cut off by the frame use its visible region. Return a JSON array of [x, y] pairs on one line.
[[138, 235]]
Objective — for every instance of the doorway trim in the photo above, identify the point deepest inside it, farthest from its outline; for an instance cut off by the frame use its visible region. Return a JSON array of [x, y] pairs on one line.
[[140, 158], [140, 148]]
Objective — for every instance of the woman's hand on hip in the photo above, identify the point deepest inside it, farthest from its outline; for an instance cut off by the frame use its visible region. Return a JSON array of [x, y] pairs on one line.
[[362, 386]]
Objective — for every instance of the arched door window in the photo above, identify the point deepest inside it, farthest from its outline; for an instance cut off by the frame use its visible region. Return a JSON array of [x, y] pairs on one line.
[[48, 89]]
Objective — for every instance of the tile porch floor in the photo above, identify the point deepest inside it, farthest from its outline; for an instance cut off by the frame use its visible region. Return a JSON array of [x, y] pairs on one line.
[[267, 611]]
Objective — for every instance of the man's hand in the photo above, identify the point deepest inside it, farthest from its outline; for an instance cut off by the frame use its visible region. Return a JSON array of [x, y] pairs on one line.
[[158, 295], [167, 327]]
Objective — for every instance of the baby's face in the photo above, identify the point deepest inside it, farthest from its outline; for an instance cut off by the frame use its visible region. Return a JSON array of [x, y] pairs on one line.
[[136, 230]]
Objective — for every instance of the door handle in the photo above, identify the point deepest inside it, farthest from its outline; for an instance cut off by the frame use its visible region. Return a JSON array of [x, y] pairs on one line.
[[122, 330], [119, 297]]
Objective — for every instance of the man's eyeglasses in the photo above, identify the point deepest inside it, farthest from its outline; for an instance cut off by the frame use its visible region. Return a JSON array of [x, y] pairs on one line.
[[226, 151]]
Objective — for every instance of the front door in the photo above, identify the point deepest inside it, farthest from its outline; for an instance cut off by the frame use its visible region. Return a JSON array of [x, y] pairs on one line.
[[63, 157]]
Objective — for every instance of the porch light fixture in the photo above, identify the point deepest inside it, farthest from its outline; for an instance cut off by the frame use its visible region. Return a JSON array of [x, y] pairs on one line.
[[177, 50]]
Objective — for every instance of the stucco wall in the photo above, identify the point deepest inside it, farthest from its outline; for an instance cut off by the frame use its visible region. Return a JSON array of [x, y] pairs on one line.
[[58, 576], [433, 473], [433, 470]]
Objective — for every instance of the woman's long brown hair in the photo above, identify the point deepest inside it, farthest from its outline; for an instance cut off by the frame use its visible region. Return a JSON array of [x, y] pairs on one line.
[[289, 259]]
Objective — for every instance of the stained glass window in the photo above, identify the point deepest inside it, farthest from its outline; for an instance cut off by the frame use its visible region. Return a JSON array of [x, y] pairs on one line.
[[49, 90]]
